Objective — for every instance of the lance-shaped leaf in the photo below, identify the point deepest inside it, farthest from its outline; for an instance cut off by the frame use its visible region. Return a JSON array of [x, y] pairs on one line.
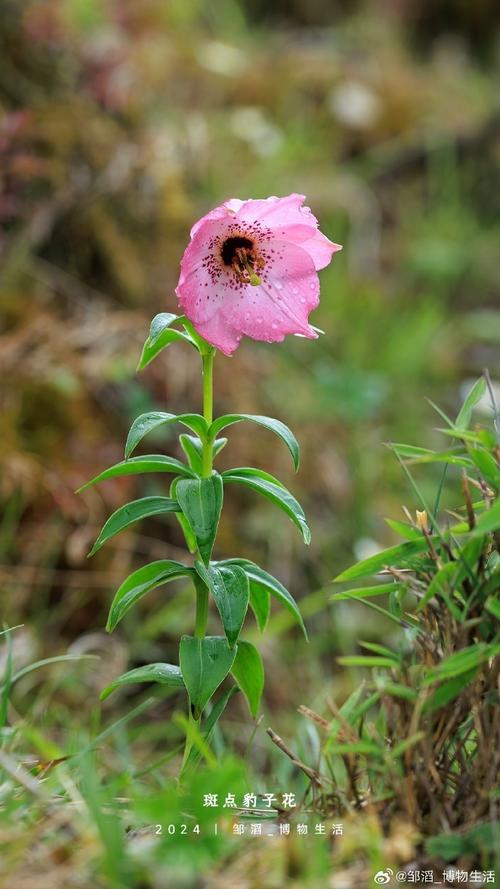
[[396, 555], [230, 588], [141, 582], [489, 520], [204, 664], [474, 396], [260, 603], [137, 465], [201, 502], [248, 670], [260, 579], [193, 449], [274, 492], [208, 726], [152, 420], [165, 674], [161, 334], [275, 426], [133, 512]]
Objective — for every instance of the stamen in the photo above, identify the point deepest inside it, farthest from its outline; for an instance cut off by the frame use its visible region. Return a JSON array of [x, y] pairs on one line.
[[239, 253]]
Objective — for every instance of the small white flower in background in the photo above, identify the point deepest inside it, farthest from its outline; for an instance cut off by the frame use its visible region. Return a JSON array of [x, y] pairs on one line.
[[366, 547], [355, 105], [251, 124], [222, 58]]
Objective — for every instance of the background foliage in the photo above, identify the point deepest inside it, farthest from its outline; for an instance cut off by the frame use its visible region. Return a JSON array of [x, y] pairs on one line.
[[121, 123]]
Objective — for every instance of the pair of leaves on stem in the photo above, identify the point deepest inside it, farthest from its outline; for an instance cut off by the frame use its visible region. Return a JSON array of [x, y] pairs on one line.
[[205, 663], [198, 499], [234, 584], [201, 501], [220, 576], [148, 422]]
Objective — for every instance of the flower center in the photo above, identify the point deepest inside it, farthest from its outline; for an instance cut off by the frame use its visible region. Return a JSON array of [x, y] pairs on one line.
[[239, 253]]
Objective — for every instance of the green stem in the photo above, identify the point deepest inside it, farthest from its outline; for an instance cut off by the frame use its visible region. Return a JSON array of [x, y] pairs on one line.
[[201, 617], [200, 625], [208, 407]]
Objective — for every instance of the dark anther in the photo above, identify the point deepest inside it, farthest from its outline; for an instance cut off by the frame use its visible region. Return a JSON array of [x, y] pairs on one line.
[[231, 245]]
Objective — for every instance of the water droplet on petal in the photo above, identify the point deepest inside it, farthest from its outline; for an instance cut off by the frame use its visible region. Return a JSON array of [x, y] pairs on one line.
[[258, 319], [295, 290], [312, 285], [303, 300], [247, 316], [274, 326], [279, 285], [238, 338]]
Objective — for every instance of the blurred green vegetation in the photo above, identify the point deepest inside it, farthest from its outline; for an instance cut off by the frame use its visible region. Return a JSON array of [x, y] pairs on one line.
[[120, 124]]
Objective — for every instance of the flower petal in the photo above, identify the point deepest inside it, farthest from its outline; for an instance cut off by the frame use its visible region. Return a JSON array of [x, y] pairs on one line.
[[276, 212], [280, 305], [290, 220], [319, 247]]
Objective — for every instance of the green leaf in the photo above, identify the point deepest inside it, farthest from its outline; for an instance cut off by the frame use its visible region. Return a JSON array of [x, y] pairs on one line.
[[201, 502], [275, 426], [230, 588], [253, 472], [189, 444], [477, 844], [260, 578], [405, 745], [474, 396], [487, 465], [248, 670], [489, 520], [56, 659], [393, 614], [395, 555], [274, 492], [160, 336], [152, 420], [165, 674], [492, 605], [462, 661], [260, 603], [367, 748], [6, 683], [183, 522], [382, 650], [382, 589], [208, 725], [395, 689], [440, 583], [404, 529], [141, 582], [133, 512], [136, 465], [193, 449], [448, 691], [360, 661], [204, 664], [424, 455]]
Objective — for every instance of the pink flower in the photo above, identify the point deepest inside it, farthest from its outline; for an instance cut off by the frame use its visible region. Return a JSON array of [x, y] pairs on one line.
[[250, 269]]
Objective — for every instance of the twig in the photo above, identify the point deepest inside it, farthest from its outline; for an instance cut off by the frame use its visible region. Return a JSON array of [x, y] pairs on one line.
[[311, 773]]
